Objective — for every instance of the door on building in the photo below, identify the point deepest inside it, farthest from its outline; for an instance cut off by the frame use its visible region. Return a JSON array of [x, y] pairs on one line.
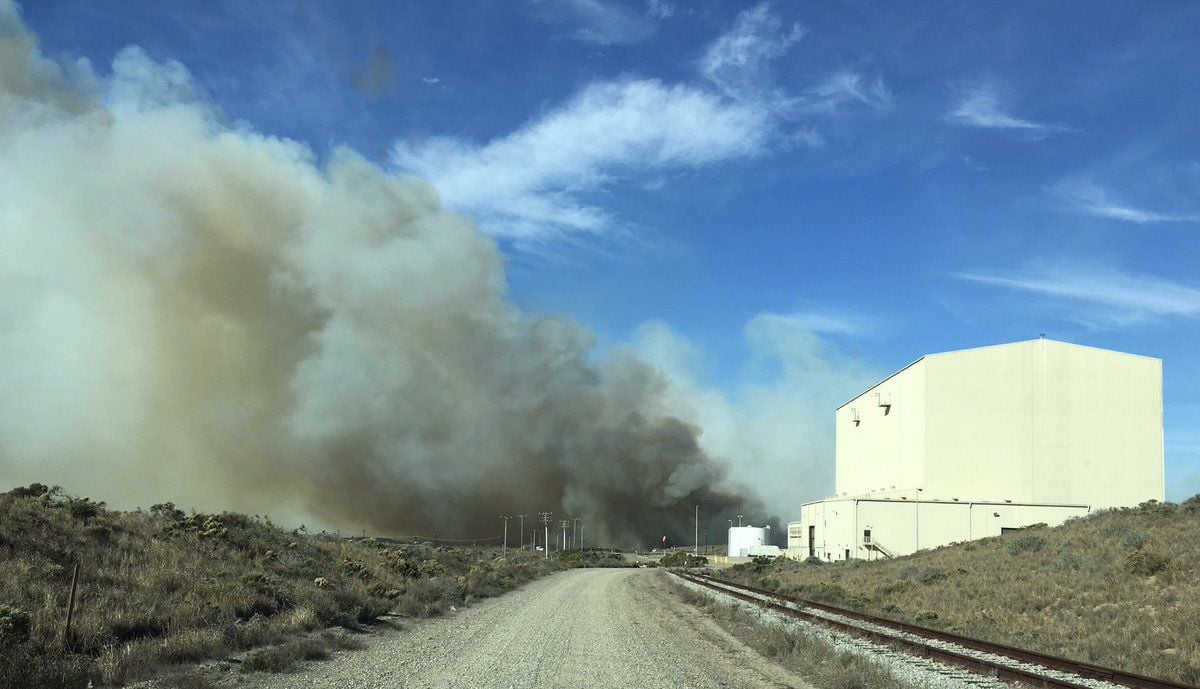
[[847, 554], [812, 541]]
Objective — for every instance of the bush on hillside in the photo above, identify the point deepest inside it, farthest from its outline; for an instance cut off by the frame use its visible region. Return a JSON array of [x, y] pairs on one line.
[[1145, 563], [593, 557], [1025, 543], [681, 558]]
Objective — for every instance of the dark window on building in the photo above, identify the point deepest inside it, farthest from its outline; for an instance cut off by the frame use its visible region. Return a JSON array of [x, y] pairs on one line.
[[812, 541], [866, 536]]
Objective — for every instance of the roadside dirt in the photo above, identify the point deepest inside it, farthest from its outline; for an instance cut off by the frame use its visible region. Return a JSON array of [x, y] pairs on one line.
[[581, 628]]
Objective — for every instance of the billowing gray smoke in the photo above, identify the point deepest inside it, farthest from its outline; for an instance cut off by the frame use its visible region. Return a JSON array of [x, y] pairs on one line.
[[193, 311]]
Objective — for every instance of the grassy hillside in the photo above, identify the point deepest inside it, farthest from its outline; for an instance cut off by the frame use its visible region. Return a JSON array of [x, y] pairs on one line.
[[161, 587], [1118, 588]]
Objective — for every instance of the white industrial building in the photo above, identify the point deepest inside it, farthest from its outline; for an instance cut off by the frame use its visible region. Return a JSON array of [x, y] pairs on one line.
[[969, 444]]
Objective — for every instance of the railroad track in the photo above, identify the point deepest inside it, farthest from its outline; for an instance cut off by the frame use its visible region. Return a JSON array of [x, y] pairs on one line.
[[982, 658]]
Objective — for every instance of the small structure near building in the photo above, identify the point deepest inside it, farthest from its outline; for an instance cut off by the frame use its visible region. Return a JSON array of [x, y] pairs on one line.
[[974, 443], [743, 538], [765, 551]]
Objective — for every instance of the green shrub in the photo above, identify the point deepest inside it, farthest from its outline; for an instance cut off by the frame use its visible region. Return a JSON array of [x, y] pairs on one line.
[[33, 490], [1135, 539], [1065, 561], [681, 558], [923, 574], [84, 509], [1025, 543], [1145, 563], [14, 627]]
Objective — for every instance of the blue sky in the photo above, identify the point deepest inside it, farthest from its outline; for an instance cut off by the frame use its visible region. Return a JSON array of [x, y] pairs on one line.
[[894, 179]]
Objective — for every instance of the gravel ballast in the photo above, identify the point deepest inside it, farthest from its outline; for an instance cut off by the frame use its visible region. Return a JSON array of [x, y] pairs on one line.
[[580, 628]]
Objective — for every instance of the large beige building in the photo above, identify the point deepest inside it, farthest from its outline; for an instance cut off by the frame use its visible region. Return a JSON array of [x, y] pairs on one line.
[[968, 444]]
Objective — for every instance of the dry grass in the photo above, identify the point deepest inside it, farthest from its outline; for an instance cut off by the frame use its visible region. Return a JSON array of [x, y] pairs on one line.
[[160, 588], [811, 656], [1118, 588]]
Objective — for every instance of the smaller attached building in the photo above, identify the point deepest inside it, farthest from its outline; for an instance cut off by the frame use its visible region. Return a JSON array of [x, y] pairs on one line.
[[969, 444]]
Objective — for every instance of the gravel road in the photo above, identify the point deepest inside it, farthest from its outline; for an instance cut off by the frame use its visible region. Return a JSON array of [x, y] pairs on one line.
[[580, 628]]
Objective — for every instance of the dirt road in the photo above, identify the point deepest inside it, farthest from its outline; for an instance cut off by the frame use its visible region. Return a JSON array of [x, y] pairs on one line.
[[581, 628]]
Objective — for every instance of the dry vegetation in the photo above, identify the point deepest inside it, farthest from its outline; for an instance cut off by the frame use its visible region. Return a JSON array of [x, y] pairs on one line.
[[1118, 588], [161, 588], [811, 656]]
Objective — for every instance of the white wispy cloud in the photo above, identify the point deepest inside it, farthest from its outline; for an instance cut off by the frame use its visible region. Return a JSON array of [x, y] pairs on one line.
[[741, 64], [982, 108], [660, 9], [541, 181], [1084, 195], [849, 87], [601, 22], [739, 61], [1100, 297], [823, 322], [530, 184]]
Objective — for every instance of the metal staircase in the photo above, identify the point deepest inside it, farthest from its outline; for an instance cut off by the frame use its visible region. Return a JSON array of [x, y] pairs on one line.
[[872, 544]]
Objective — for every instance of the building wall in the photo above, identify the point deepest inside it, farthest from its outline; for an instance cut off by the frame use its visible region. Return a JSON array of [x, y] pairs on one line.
[[1043, 422], [960, 445], [900, 526], [795, 535], [884, 451], [1030, 422]]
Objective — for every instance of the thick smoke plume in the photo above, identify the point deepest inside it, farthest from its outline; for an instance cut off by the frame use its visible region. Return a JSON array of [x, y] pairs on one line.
[[190, 310]]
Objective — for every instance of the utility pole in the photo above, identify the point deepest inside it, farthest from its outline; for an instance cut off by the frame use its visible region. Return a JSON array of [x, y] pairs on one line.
[[574, 530], [581, 536], [545, 517], [505, 551], [696, 542], [564, 524], [522, 518]]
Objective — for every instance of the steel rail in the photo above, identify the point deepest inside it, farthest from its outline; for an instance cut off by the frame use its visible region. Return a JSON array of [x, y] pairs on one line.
[[1086, 670], [975, 664]]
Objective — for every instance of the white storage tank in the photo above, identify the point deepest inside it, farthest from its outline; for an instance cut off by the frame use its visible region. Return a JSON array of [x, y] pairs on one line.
[[743, 538]]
